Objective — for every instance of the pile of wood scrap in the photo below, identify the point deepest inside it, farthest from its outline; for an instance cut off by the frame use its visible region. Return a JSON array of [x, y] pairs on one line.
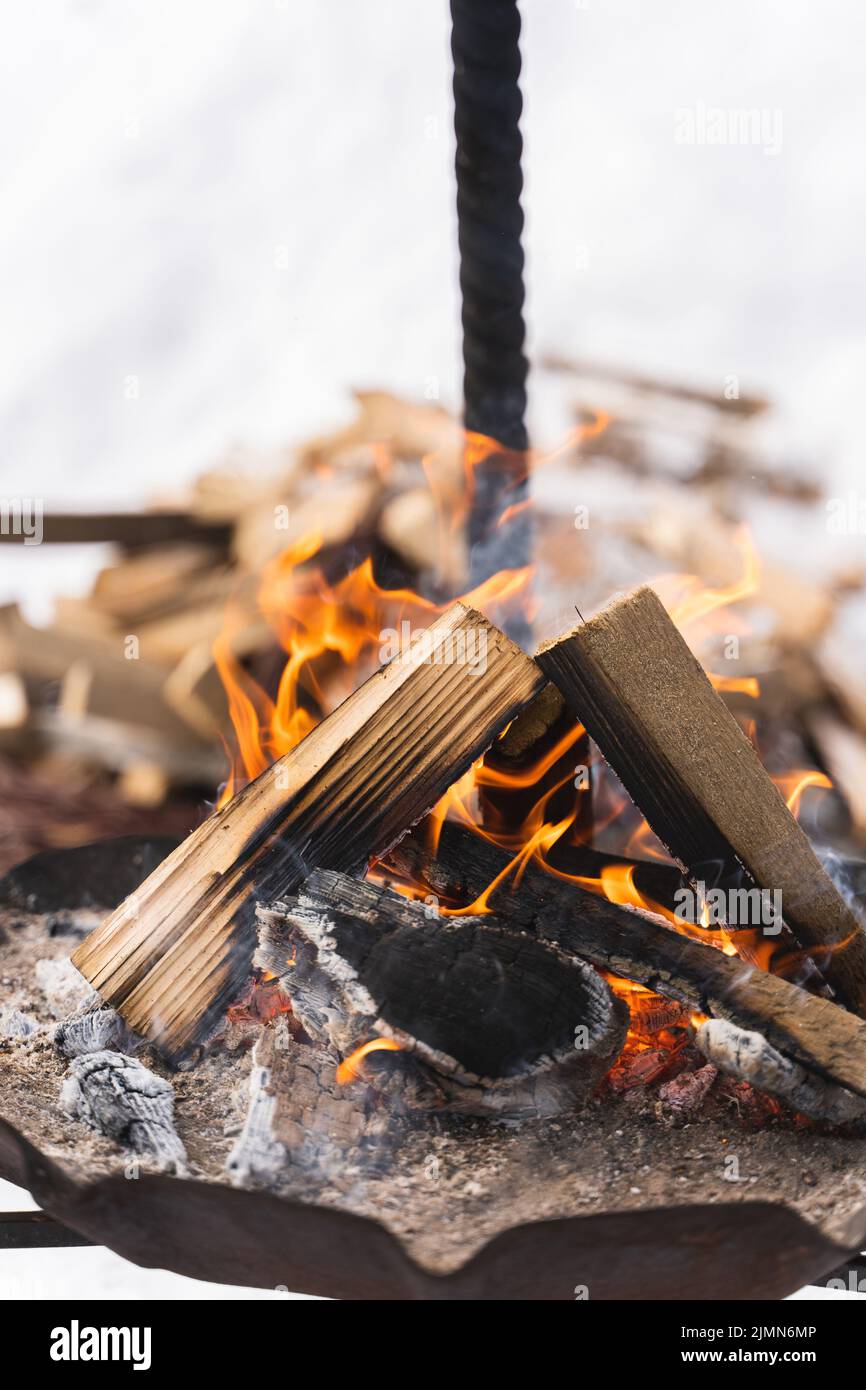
[[124, 682]]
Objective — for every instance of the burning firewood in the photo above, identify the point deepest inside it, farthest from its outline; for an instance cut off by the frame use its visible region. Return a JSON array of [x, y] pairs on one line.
[[507, 1024], [173, 955], [629, 675], [631, 944], [299, 1115], [749, 1057]]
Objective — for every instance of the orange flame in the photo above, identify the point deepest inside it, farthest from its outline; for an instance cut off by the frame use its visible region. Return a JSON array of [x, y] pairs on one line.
[[793, 785], [349, 1069]]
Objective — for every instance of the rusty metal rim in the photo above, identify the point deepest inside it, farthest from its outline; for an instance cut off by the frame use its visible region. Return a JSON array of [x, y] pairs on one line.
[[741, 1251]]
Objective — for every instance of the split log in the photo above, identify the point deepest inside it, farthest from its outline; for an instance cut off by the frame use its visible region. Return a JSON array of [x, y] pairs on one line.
[[630, 677], [656, 882], [118, 746], [339, 512], [637, 946], [687, 533], [112, 706], [412, 524], [129, 529], [120, 1098], [843, 751], [507, 1024], [171, 958], [749, 1057], [151, 580], [532, 724]]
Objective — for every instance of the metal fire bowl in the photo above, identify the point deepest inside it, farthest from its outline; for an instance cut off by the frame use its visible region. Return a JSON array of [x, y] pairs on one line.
[[750, 1250], [741, 1251]]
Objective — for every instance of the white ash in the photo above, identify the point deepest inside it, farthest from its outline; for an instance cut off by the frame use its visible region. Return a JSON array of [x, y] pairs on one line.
[[15, 1024], [749, 1057], [301, 1121], [65, 988], [452, 1184], [256, 1155], [94, 1030], [122, 1099]]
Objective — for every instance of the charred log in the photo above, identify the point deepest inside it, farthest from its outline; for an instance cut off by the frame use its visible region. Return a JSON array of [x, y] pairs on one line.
[[299, 1117], [749, 1057], [93, 1030], [504, 1023], [810, 1030]]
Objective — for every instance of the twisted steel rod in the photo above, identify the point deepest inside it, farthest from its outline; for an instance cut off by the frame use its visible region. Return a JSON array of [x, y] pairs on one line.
[[487, 106]]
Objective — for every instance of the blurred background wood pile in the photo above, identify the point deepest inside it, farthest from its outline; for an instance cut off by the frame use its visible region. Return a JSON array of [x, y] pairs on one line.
[[114, 719]]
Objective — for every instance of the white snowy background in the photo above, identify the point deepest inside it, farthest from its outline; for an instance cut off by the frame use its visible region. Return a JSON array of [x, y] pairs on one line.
[[244, 207]]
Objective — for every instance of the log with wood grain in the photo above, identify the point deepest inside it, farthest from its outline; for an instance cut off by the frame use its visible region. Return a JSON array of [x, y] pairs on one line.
[[629, 676], [173, 955]]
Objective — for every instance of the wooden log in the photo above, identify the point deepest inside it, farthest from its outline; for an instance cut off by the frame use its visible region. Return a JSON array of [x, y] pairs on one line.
[[172, 956], [129, 529], [152, 579], [507, 1024], [749, 1057], [114, 679], [843, 752], [531, 726], [630, 677], [636, 946], [656, 882]]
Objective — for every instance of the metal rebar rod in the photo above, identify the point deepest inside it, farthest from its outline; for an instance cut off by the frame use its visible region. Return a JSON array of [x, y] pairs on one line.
[[487, 106]]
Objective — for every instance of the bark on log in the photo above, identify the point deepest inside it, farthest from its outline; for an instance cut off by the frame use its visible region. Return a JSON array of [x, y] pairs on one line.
[[173, 955], [639, 947], [506, 1024], [630, 677]]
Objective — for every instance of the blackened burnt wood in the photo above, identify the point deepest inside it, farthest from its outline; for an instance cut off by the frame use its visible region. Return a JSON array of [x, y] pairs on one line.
[[636, 946], [300, 1119], [657, 882], [629, 675], [505, 1022], [172, 956]]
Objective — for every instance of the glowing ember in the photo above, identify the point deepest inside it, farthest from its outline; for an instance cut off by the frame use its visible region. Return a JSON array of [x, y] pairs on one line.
[[350, 1068], [262, 1000]]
